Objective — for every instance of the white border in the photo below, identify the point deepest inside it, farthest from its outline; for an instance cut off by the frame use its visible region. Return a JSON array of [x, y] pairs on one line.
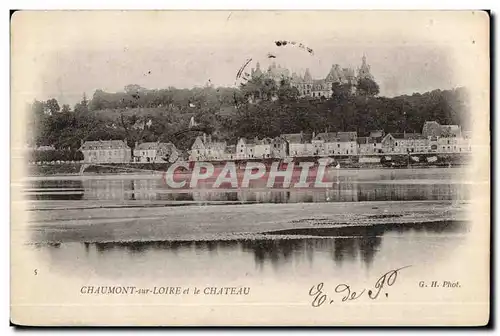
[[184, 4]]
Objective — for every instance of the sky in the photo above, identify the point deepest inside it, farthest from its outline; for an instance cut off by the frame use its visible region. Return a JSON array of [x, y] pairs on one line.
[[66, 54]]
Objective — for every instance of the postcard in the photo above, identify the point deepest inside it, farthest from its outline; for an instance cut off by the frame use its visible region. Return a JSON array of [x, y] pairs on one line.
[[250, 168]]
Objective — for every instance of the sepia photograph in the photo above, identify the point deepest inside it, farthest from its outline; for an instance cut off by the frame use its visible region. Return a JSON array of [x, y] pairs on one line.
[[250, 168]]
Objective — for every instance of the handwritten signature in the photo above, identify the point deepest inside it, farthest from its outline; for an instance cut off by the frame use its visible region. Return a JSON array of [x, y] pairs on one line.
[[348, 294]]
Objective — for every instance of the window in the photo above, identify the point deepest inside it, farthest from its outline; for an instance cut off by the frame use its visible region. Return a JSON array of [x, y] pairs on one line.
[[338, 145]]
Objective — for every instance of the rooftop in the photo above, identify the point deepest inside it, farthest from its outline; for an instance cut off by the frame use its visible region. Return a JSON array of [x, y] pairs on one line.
[[104, 144]]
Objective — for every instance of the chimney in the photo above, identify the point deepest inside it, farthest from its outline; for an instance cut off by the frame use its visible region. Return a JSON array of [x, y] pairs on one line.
[[136, 144], [204, 137], [314, 134], [210, 138]]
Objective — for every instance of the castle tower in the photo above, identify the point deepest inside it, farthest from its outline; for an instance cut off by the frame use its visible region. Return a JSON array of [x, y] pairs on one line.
[[307, 76], [333, 75], [364, 70], [257, 72]]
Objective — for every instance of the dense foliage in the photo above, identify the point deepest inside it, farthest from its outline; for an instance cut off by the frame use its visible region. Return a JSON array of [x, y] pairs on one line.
[[56, 155], [258, 108]]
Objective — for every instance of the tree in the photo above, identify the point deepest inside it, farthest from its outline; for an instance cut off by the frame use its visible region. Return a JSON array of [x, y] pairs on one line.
[[367, 87], [66, 108], [52, 105], [38, 108], [259, 88], [82, 107], [287, 93]]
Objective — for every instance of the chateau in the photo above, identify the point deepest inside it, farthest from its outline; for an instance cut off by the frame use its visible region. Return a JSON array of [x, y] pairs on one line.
[[316, 88]]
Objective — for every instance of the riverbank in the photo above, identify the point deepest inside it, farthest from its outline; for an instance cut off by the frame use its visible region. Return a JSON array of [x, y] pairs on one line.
[[218, 222], [389, 161]]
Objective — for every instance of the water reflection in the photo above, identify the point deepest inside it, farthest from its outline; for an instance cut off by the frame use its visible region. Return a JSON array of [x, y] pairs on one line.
[[333, 246], [405, 186]]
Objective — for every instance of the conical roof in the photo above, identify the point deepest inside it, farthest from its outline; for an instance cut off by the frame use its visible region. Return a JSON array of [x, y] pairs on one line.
[[333, 75], [307, 76]]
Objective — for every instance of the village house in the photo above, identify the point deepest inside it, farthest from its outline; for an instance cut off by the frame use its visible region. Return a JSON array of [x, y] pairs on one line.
[[230, 152], [279, 148], [371, 144], [262, 148], [346, 143], [197, 152], [105, 151], [320, 142], [434, 138], [366, 145], [215, 150], [450, 139], [443, 138], [155, 152], [415, 143], [377, 137], [299, 144], [393, 143], [339, 143], [245, 148], [402, 143], [204, 148]]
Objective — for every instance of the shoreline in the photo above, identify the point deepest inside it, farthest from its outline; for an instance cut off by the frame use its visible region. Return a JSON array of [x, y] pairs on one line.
[[385, 161], [158, 173]]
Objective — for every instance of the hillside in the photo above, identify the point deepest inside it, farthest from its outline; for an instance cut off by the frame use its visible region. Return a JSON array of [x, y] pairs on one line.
[[165, 115]]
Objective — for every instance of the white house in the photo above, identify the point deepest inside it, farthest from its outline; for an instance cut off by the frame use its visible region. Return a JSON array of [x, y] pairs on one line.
[[262, 148], [299, 144], [105, 151], [230, 152], [245, 148], [197, 152], [320, 143], [340, 143], [450, 140], [155, 152], [279, 148]]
